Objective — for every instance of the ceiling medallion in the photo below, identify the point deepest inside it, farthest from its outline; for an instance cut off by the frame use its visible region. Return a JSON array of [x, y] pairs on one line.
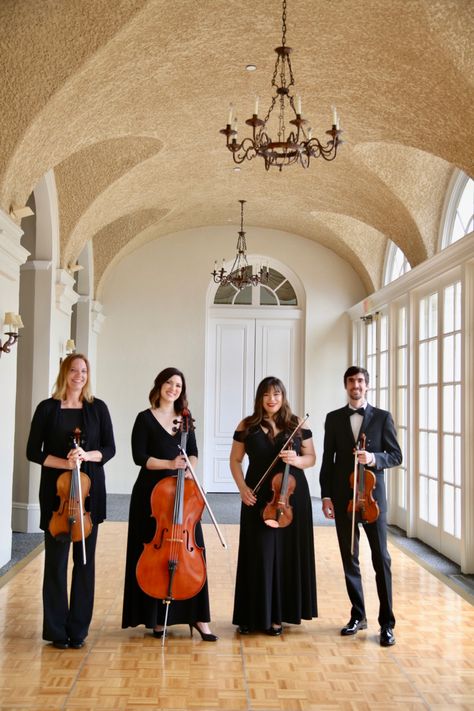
[[240, 274], [296, 146]]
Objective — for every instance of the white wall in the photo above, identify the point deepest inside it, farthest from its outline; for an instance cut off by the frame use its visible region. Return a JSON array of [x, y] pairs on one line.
[[154, 303]]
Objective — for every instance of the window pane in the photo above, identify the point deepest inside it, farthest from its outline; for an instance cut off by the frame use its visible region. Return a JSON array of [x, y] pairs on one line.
[[423, 453], [448, 408], [402, 326], [457, 408], [244, 297], [433, 316], [448, 320], [402, 366], [286, 294], [457, 305], [448, 459], [423, 363], [457, 460], [448, 358], [402, 407], [383, 399], [275, 279], [384, 370], [433, 408], [384, 333], [423, 408], [433, 454], [225, 294], [457, 513], [433, 502], [457, 356], [423, 498], [448, 509], [433, 361], [267, 297]]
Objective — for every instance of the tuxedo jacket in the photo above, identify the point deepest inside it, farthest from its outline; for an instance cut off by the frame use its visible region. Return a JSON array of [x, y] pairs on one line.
[[338, 455]]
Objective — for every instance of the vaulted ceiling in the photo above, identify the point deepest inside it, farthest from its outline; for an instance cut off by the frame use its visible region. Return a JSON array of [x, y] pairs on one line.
[[124, 99]]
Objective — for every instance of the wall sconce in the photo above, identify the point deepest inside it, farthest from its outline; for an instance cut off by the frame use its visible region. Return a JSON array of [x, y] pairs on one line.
[[13, 322], [70, 346], [370, 317]]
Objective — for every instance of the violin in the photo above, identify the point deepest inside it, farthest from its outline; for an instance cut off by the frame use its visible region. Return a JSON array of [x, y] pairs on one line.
[[362, 505], [71, 522], [278, 513], [172, 565]]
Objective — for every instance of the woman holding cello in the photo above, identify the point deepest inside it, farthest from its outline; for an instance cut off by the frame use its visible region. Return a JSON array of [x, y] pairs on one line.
[[156, 440], [70, 431], [276, 578]]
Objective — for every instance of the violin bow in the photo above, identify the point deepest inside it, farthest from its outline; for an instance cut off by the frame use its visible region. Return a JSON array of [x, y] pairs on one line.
[[224, 544], [77, 434], [354, 496], [262, 479]]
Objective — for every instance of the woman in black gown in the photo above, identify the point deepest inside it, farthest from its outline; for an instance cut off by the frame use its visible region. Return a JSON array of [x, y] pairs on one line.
[[155, 449], [50, 444], [276, 578]]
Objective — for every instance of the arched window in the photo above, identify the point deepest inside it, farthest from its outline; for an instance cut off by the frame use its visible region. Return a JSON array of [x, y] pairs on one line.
[[396, 263], [459, 210], [277, 292]]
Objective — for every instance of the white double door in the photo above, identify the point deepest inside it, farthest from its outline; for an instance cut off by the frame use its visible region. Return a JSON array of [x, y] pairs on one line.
[[240, 353]]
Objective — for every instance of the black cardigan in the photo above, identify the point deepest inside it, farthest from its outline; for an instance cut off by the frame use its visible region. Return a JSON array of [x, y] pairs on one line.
[[43, 440]]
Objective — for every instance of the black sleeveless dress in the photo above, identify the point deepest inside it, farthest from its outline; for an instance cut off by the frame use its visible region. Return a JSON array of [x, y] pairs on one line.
[[276, 575]]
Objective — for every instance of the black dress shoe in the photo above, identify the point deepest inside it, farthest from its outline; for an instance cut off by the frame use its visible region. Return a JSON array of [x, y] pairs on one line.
[[387, 638], [76, 643], [353, 626], [274, 631], [158, 634], [61, 644], [243, 629]]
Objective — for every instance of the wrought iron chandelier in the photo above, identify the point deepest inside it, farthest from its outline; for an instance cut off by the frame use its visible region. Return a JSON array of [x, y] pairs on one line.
[[296, 146], [240, 274]]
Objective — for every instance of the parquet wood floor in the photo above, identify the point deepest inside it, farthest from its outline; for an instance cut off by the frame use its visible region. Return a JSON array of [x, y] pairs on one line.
[[310, 667]]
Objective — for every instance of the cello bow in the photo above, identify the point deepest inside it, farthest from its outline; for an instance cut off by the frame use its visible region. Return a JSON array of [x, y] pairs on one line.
[[221, 537]]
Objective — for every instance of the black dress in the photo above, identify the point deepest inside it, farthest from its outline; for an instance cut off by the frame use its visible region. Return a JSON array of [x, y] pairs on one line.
[[150, 439], [276, 576]]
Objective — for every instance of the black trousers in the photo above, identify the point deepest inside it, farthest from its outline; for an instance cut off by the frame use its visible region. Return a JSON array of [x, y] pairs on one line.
[[377, 536], [62, 618]]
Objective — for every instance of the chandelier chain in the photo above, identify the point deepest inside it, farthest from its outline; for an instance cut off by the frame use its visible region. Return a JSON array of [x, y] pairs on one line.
[[283, 25]]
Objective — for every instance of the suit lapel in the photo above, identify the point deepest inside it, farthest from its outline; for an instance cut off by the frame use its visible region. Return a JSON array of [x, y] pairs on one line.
[[348, 427]]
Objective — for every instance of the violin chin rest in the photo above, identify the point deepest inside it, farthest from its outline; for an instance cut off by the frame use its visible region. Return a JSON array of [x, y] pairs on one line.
[[272, 523]]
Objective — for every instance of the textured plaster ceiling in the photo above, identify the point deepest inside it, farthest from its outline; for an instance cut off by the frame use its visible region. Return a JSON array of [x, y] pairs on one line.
[[124, 99]]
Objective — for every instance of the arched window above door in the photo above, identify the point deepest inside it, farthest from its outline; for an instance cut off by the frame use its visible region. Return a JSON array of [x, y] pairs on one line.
[[459, 210], [278, 292], [396, 263]]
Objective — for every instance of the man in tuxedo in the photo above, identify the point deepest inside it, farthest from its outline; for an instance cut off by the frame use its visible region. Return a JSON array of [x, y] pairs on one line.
[[343, 430]]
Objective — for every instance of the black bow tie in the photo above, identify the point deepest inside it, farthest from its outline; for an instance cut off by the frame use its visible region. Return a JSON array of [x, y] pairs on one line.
[[360, 411]]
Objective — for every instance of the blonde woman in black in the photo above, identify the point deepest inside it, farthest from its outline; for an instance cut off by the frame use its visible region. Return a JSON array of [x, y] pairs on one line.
[[276, 578], [66, 619]]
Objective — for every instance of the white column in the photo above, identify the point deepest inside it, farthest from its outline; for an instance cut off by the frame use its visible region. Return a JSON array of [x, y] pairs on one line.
[[12, 255]]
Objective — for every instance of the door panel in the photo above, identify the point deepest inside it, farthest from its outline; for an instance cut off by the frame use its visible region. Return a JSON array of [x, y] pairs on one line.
[[240, 353]]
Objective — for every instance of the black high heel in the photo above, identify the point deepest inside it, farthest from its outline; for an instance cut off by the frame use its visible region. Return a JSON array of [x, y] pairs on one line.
[[205, 636]]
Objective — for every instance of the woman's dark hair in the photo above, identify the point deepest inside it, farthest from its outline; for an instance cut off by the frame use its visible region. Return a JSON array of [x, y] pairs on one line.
[[284, 419], [154, 396], [355, 370]]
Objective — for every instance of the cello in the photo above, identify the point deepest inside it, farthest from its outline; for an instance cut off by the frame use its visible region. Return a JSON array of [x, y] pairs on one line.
[[362, 506], [172, 565], [71, 522]]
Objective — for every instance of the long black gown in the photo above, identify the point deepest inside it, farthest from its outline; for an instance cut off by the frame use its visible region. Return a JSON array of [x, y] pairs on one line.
[[276, 575], [150, 439]]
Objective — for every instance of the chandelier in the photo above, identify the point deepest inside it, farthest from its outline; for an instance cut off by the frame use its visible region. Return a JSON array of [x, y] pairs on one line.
[[240, 274], [296, 146]]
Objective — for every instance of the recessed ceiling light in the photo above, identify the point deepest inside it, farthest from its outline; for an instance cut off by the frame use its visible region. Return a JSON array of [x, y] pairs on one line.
[[236, 169], [251, 67]]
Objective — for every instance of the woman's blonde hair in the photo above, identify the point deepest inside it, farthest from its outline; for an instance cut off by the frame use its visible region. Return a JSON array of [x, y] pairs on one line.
[[60, 387]]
